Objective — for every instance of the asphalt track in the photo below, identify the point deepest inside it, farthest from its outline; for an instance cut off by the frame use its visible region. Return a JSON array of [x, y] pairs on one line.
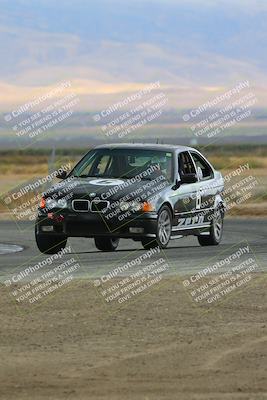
[[184, 255]]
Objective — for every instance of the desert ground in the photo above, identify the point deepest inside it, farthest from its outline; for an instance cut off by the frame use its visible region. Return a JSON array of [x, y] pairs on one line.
[[160, 347]]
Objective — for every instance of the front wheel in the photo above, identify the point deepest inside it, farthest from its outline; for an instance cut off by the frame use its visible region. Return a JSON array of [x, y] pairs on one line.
[[106, 243], [216, 230], [50, 244], [164, 229]]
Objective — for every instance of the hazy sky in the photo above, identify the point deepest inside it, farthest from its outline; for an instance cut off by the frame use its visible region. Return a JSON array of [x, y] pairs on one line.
[[108, 48]]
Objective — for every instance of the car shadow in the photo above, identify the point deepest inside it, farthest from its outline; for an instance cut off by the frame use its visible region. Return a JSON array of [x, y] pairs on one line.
[[132, 249]]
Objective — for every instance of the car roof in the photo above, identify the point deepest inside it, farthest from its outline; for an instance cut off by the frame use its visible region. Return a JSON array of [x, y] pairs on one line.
[[148, 146]]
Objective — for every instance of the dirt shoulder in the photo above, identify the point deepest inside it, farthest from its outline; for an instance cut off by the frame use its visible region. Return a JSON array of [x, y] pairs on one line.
[[159, 347], [250, 210]]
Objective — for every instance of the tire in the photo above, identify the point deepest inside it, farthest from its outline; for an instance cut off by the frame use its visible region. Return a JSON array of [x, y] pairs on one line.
[[164, 229], [106, 243], [216, 231], [50, 244]]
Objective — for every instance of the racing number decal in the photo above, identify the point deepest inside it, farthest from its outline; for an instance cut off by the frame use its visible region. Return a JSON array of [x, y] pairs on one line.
[[106, 182], [191, 221], [198, 200]]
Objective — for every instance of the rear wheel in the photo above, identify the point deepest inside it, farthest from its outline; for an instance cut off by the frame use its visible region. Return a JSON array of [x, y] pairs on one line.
[[106, 243], [164, 228], [216, 230], [50, 244]]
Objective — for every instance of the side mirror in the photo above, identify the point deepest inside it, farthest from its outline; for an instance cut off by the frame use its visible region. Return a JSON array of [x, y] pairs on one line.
[[176, 185], [62, 175], [189, 178]]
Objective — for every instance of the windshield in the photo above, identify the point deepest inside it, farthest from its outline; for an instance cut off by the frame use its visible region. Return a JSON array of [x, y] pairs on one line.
[[123, 163]]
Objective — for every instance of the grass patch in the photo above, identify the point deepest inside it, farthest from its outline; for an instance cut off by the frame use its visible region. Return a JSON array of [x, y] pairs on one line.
[[223, 162]]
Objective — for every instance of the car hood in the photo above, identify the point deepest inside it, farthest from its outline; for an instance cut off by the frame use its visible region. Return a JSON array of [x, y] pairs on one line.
[[107, 188]]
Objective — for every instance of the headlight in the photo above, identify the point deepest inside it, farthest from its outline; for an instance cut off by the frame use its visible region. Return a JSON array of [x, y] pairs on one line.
[[60, 203], [136, 206], [131, 206], [124, 206], [50, 203]]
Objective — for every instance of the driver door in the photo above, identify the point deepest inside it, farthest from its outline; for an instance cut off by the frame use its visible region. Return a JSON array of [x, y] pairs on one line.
[[187, 197]]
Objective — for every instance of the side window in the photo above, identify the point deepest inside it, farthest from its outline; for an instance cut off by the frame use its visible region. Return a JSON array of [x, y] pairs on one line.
[[186, 165], [203, 169]]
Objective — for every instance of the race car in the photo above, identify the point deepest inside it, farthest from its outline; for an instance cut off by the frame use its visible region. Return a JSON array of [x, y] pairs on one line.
[[145, 192]]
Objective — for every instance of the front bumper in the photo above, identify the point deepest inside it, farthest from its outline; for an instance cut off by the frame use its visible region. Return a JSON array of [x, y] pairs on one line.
[[93, 225]]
